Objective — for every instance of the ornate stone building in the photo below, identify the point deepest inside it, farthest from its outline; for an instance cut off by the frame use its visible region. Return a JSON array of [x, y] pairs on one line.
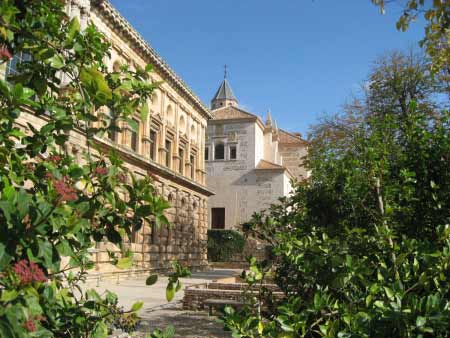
[[249, 163], [169, 145]]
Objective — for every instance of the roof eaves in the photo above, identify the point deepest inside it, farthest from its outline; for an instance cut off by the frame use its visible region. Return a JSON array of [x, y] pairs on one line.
[[113, 14]]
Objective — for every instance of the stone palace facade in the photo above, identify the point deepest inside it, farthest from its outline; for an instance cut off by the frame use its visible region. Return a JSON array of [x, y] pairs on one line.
[[249, 163], [169, 146]]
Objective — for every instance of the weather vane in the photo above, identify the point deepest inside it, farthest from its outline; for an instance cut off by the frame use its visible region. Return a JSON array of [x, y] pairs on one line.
[[225, 71]]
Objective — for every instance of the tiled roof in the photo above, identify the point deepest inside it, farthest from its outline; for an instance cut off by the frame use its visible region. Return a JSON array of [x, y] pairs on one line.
[[224, 92], [266, 165], [286, 137], [231, 113]]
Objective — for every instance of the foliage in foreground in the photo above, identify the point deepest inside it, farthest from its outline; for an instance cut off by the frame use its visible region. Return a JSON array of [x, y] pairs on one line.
[[362, 249], [223, 244], [52, 208]]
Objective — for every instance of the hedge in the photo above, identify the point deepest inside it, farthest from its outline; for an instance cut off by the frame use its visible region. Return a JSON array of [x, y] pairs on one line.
[[223, 244]]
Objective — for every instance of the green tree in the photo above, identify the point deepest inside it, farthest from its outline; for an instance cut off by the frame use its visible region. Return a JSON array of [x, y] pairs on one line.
[[361, 249], [52, 207]]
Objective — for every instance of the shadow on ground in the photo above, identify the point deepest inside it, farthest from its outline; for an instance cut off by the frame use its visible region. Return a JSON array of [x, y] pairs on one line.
[[188, 324]]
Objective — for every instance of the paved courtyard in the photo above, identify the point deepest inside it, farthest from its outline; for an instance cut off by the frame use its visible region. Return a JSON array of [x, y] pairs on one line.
[[158, 313]]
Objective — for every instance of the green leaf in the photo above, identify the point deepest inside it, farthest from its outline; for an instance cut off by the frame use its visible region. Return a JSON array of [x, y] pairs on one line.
[[169, 331], [64, 248], [369, 299], [137, 306], [170, 292], [95, 80], [420, 321], [6, 330], [9, 295], [93, 295], [149, 68], [144, 112], [76, 172], [56, 62], [125, 263], [179, 286], [152, 279], [317, 301], [74, 28], [133, 124], [32, 302], [45, 252], [389, 292], [4, 257], [100, 330], [18, 91], [27, 93]]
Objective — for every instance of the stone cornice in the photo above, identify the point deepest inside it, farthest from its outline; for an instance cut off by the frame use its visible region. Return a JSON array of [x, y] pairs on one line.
[[137, 41], [238, 120]]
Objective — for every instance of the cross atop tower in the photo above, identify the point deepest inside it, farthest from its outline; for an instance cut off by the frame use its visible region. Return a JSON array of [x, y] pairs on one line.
[[224, 96]]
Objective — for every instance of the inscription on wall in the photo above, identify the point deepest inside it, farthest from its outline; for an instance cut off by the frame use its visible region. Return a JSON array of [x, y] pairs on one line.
[[264, 189], [235, 166], [243, 205]]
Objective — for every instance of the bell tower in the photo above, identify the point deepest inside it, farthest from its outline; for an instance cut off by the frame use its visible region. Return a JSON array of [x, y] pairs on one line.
[[224, 96]]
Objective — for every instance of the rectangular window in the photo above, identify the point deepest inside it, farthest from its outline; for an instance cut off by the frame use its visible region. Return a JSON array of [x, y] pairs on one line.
[[180, 160], [233, 153], [192, 160], [206, 154], [135, 138], [168, 152], [153, 145], [219, 151], [218, 218]]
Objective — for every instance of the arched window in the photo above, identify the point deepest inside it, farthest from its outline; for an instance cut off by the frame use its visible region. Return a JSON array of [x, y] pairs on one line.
[[182, 124], [155, 100], [116, 66], [219, 151], [170, 115], [193, 135]]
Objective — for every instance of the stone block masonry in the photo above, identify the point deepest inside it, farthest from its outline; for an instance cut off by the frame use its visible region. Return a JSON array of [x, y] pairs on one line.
[[195, 296]]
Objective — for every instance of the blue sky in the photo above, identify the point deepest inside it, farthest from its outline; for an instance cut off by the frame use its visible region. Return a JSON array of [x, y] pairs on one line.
[[299, 58]]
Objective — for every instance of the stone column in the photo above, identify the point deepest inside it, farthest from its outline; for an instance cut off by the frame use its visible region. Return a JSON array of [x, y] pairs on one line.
[[187, 155], [162, 139], [176, 141], [145, 140]]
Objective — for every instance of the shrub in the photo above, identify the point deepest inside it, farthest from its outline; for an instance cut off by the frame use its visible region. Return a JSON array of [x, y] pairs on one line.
[[223, 244], [52, 208], [362, 247]]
